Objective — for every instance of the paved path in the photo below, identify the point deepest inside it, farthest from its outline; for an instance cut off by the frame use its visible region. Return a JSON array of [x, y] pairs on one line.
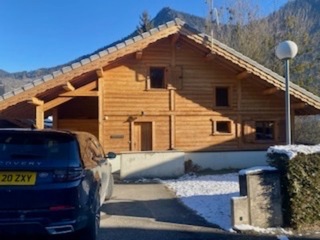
[[150, 211]]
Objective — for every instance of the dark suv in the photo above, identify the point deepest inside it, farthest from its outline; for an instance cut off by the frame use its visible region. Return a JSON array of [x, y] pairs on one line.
[[52, 182]]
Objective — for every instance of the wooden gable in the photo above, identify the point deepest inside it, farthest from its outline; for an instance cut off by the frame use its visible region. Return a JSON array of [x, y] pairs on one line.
[[110, 94]]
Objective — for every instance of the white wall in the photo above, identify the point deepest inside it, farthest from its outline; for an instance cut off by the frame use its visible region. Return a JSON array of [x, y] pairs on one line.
[[226, 160], [170, 164], [152, 164]]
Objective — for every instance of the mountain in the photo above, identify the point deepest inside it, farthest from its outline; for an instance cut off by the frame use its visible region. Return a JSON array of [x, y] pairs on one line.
[[298, 20]]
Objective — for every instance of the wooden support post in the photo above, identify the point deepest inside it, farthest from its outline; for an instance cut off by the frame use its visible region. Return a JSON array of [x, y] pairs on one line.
[[172, 132], [100, 105], [39, 112], [40, 117]]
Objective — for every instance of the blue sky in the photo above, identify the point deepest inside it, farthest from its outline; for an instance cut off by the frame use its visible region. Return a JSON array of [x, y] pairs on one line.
[[46, 33]]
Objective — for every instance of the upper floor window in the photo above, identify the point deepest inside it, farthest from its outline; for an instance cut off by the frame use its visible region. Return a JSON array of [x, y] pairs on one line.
[[222, 96], [157, 77]]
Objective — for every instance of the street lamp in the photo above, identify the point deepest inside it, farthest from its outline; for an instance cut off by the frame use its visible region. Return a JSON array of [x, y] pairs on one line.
[[285, 51]]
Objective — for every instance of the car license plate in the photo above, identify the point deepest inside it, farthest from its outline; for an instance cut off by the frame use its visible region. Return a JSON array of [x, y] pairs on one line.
[[17, 178]]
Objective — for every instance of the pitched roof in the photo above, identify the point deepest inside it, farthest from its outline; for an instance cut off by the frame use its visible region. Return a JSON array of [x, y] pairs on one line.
[[45, 87]]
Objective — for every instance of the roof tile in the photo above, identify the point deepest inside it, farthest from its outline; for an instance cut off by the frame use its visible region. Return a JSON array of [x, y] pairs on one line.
[[39, 81], [103, 53], [145, 34], [154, 30], [17, 91], [120, 45], [112, 49], [94, 57], [57, 73], [28, 86], [76, 65], [46, 78], [137, 38], [129, 41], [85, 61], [66, 69], [7, 95]]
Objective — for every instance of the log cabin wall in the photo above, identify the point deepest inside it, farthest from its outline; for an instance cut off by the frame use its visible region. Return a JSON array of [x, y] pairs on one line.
[[182, 115], [79, 114]]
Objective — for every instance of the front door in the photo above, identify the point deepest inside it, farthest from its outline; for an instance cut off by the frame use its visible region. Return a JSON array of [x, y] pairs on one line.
[[142, 136]]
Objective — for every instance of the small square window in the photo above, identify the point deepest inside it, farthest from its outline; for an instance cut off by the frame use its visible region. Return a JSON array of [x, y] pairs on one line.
[[222, 127], [157, 77], [222, 97]]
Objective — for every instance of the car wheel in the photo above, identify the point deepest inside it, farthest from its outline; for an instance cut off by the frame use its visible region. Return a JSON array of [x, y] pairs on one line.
[[110, 188], [90, 232]]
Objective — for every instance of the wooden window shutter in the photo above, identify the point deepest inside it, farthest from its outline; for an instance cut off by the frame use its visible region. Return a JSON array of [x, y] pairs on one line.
[[176, 76], [249, 131]]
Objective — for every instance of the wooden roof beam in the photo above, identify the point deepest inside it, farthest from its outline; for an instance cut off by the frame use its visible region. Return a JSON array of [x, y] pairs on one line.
[[139, 54], [62, 98], [175, 37], [299, 105], [36, 101], [243, 75], [100, 73], [68, 87], [270, 91], [210, 56]]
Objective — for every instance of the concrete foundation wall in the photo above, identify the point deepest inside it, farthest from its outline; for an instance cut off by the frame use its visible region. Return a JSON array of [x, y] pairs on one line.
[[227, 160], [152, 164], [171, 163]]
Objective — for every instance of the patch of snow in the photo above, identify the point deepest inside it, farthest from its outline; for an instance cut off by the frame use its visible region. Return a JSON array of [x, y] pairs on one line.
[[210, 197], [292, 150], [254, 170], [282, 237]]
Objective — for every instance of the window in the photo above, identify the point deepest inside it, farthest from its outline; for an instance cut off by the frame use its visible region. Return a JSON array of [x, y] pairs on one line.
[[222, 97], [222, 127], [157, 77], [264, 130]]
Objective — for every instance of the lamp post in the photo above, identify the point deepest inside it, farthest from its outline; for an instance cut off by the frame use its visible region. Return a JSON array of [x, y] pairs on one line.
[[285, 51]]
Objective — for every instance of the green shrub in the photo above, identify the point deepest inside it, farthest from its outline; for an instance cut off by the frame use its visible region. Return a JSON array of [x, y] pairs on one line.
[[300, 186]]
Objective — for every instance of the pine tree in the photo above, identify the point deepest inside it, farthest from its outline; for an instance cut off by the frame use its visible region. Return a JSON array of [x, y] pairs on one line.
[[145, 23]]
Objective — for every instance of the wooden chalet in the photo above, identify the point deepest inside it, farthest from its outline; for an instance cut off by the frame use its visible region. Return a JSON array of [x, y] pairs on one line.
[[171, 88]]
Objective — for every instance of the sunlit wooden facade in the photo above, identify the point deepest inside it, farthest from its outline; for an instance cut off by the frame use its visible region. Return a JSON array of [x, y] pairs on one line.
[[169, 89]]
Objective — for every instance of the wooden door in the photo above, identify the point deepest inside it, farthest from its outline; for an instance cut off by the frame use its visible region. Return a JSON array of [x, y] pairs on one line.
[[142, 136]]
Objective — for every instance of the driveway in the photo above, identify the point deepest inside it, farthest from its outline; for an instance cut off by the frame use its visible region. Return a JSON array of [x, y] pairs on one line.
[[150, 211]]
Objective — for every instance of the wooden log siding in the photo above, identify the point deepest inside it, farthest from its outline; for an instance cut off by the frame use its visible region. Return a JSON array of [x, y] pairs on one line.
[[182, 115]]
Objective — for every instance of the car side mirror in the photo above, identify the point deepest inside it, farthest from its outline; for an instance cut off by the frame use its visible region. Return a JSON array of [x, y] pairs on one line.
[[111, 155]]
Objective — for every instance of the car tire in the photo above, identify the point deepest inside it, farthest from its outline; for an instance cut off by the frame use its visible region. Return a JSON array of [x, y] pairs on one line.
[[90, 232], [110, 188]]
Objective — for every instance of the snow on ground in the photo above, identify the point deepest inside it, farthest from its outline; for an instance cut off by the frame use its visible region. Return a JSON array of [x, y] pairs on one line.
[[210, 197]]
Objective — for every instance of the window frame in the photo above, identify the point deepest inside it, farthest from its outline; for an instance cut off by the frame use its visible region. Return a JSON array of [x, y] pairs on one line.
[[164, 80], [216, 132], [229, 97], [264, 123], [250, 131]]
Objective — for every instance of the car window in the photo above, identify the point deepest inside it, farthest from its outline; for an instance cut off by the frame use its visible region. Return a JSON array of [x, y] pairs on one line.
[[40, 146]]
